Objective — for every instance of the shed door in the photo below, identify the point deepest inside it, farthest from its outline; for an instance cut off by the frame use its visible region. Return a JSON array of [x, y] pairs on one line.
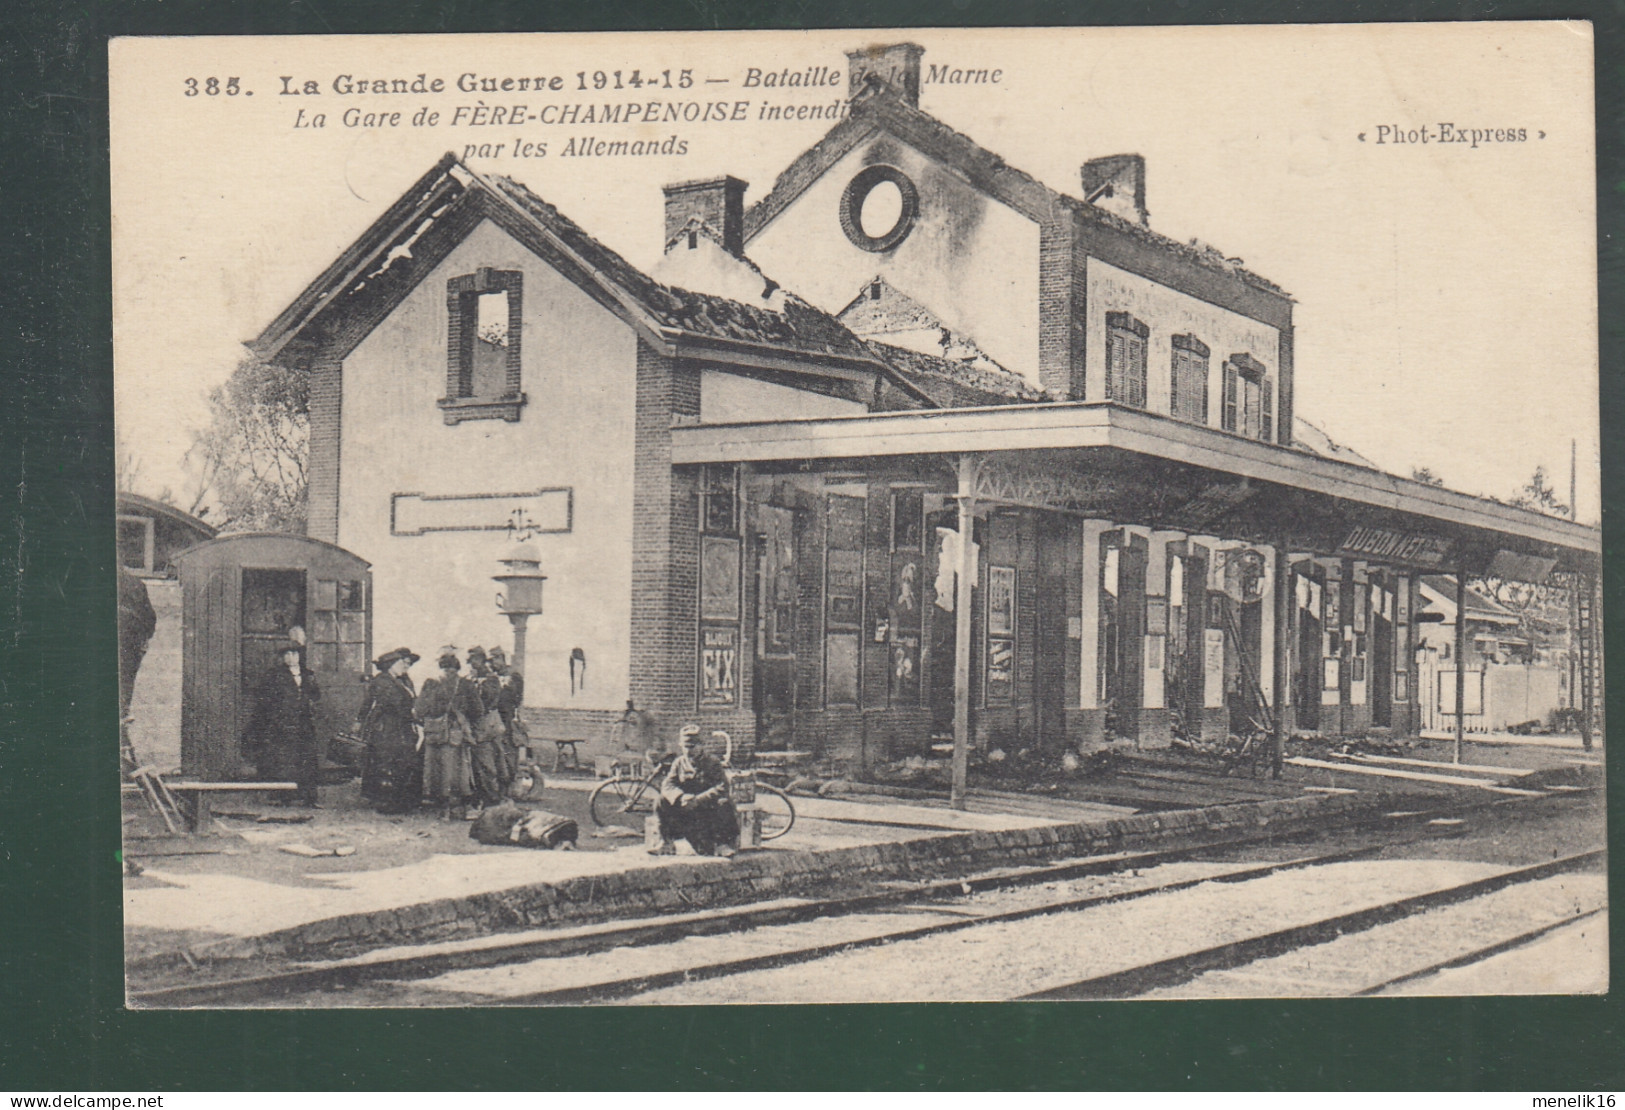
[[273, 604]]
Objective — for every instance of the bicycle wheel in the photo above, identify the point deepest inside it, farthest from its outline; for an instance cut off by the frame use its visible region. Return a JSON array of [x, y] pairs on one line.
[[615, 798], [778, 814]]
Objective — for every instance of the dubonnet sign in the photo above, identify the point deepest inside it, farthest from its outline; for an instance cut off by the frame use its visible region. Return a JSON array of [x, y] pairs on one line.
[[1415, 548]]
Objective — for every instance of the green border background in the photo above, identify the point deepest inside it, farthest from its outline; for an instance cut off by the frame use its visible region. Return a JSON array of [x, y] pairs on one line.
[[62, 1025]]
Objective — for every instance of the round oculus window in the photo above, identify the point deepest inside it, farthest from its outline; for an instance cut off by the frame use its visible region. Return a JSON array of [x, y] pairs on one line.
[[879, 208]]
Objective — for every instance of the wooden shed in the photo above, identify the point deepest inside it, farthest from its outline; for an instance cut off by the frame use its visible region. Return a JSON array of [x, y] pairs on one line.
[[242, 596]]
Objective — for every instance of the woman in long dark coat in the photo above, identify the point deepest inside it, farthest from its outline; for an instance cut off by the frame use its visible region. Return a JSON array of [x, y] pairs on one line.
[[392, 770], [282, 730]]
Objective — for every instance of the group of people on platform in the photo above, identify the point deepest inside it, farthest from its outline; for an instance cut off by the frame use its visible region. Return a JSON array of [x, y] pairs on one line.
[[456, 744]]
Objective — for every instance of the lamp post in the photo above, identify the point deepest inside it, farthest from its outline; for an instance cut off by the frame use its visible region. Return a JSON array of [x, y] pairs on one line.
[[521, 596]]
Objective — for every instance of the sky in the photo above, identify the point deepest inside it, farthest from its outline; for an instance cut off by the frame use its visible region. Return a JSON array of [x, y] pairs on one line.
[[1446, 313]]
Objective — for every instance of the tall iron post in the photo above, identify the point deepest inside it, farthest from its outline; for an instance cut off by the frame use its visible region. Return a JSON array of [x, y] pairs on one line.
[[519, 621], [1461, 662], [1282, 616], [969, 466]]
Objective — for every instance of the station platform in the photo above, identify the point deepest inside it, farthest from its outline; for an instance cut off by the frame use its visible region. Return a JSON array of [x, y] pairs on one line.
[[270, 886]]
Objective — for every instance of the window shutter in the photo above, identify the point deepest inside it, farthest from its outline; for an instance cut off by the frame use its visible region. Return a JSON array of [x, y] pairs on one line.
[[1228, 421], [1189, 386], [1114, 359], [1136, 371], [1125, 359], [1252, 413], [1269, 410], [1199, 386]]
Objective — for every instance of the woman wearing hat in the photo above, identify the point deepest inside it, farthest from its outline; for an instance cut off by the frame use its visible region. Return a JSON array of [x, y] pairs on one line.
[[391, 771], [283, 725]]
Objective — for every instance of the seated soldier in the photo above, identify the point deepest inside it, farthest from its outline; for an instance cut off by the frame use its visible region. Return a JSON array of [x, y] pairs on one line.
[[694, 803]]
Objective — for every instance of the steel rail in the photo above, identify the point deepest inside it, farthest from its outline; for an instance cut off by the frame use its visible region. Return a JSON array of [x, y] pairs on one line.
[[1174, 970], [1478, 955], [417, 965], [639, 984]]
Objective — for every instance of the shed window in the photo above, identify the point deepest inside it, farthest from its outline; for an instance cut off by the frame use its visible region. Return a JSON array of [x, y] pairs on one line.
[[1249, 399], [1187, 380], [338, 629], [1125, 359], [484, 339]]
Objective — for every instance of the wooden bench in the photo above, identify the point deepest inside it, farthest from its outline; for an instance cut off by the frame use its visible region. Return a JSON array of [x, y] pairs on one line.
[[562, 748], [197, 794]]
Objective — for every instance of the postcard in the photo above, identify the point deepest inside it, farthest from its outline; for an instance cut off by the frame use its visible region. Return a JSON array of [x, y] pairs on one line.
[[760, 517]]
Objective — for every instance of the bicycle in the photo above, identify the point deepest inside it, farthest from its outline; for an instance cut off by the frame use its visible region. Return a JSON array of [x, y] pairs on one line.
[[1253, 752], [624, 794]]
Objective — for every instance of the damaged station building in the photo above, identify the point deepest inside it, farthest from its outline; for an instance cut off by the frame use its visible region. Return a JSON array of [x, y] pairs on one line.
[[752, 500]]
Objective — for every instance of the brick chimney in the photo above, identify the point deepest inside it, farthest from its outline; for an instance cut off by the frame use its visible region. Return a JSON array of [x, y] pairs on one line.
[[1117, 184], [720, 202], [898, 66]]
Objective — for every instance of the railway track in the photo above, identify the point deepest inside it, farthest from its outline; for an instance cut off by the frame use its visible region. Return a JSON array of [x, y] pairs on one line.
[[633, 960], [1186, 966], [418, 961]]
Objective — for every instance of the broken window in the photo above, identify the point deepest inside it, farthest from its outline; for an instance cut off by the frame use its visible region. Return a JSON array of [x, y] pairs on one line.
[[483, 357], [878, 208], [1126, 341]]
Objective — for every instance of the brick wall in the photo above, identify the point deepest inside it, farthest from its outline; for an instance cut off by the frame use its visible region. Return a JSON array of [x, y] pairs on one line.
[[1284, 403], [666, 565], [663, 574], [720, 203], [1061, 312], [326, 405]]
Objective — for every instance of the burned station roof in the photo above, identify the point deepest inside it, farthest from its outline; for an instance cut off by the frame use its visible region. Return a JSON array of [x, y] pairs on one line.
[[393, 255], [798, 326], [879, 105], [955, 383]]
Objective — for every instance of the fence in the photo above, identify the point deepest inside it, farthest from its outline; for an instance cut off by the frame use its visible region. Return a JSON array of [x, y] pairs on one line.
[[1497, 695]]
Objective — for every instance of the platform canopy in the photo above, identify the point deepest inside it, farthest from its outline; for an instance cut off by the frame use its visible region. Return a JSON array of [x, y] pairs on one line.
[[1101, 460]]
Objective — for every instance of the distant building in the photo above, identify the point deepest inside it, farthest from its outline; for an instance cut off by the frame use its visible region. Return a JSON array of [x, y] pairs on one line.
[[745, 469], [150, 535], [1493, 634]]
